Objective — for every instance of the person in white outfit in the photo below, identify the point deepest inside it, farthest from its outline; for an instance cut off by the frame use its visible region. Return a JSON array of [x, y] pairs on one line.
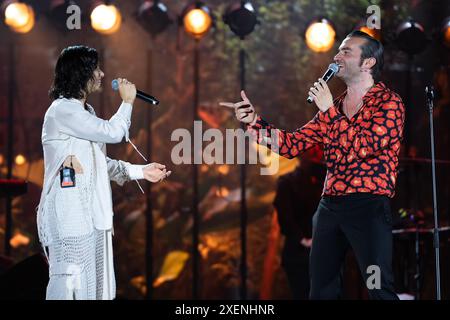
[[75, 212]]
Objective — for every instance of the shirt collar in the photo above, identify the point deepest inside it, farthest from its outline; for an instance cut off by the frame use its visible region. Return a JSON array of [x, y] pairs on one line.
[[376, 88]]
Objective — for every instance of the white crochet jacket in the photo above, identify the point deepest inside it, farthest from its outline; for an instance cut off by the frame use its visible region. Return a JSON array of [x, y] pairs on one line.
[[72, 220]]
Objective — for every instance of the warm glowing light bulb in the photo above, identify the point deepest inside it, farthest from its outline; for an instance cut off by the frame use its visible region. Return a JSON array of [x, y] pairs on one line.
[[197, 22], [374, 33], [20, 160], [106, 19], [19, 17], [320, 36]]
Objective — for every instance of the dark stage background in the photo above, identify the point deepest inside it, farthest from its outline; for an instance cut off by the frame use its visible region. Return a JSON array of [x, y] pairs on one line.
[[280, 69]]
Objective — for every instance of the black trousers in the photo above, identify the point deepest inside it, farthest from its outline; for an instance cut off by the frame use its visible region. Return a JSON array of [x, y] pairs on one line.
[[362, 222]]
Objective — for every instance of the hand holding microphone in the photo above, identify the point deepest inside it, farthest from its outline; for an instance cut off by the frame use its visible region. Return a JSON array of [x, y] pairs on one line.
[[319, 92], [127, 90], [131, 93], [321, 95]]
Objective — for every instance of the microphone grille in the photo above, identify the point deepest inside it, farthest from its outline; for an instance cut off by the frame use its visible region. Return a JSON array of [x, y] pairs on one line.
[[334, 67], [115, 85]]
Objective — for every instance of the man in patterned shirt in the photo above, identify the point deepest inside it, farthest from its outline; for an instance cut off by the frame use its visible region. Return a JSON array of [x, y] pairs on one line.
[[360, 132]]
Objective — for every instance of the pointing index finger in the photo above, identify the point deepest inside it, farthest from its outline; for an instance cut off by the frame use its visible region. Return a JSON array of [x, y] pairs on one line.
[[227, 104], [243, 95]]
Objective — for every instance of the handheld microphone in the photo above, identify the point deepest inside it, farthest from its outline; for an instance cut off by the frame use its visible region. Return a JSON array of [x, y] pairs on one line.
[[333, 68], [139, 94]]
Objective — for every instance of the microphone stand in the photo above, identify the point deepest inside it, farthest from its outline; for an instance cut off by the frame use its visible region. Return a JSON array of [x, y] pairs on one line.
[[417, 276], [429, 91]]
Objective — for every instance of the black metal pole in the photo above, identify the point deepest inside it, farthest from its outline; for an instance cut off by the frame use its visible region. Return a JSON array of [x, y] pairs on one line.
[[429, 91], [149, 211], [10, 145], [195, 214], [411, 174], [417, 276], [244, 217]]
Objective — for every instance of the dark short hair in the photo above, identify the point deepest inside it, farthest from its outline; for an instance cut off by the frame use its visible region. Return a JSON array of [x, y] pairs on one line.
[[372, 48], [74, 68]]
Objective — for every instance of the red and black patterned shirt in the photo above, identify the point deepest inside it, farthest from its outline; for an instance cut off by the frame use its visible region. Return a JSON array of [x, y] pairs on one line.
[[361, 153]]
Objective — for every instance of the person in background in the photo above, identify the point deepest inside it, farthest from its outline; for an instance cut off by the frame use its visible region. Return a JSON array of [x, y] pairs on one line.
[[296, 199]]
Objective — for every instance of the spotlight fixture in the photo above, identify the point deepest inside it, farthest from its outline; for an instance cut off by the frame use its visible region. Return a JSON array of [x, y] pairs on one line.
[[197, 19], [374, 33], [240, 16], [105, 18], [411, 37], [320, 35], [153, 16], [20, 159], [18, 16]]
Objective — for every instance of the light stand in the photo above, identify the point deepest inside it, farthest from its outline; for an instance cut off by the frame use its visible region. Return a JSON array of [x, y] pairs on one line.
[[429, 91]]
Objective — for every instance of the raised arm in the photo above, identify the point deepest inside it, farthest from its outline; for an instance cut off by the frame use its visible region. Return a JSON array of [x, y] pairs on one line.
[[287, 144], [75, 121]]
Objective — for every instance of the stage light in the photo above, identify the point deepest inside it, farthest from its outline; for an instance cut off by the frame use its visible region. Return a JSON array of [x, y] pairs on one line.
[[153, 16], [19, 16], [411, 37], [445, 32], [222, 192], [362, 26], [106, 18], [18, 240], [241, 18], [20, 160], [374, 33], [223, 169], [320, 35], [197, 19]]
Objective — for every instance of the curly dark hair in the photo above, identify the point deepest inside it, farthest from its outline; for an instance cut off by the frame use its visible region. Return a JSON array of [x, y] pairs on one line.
[[74, 69]]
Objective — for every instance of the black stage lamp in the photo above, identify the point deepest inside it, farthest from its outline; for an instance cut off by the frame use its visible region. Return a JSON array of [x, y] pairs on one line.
[[240, 16], [154, 17], [411, 37]]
